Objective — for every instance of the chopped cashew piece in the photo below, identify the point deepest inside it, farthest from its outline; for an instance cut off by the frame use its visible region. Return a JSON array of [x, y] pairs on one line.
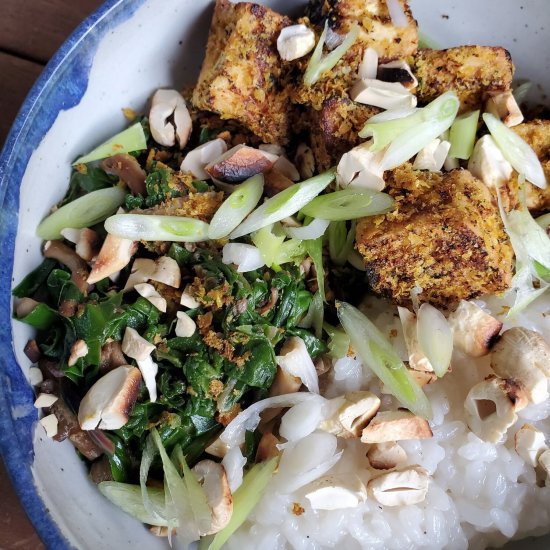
[[396, 426], [386, 456], [188, 300], [305, 161], [45, 400], [169, 119], [86, 241], [433, 156], [149, 293], [295, 41], [523, 356], [386, 95], [35, 376], [334, 492], [398, 71], [355, 412], [491, 408], [149, 370], [295, 360], [136, 347], [474, 331], [185, 326], [530, 443], [544, 461], [167, 271], [360, 167], [401, 487], [108, 403], [417, 360], [239, 163], [142, 270], [369, 65], [79, 349], [217, 448], [49, 423], [488, 164], [115, 254], [196, 160], [503, 105], [213, 479]]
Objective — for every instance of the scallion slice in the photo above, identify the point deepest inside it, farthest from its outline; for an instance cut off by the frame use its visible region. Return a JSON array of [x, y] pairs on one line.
[[82, 212], [315, 229], [378, 354], [318, 64], [516, 151], [236, 207], [520, 93], [435, 338], [340, 241], [385, 130], [315, 250], [127, 141], [349, 204], [463, 135], [269, 243], [143, 227], [284, 204]]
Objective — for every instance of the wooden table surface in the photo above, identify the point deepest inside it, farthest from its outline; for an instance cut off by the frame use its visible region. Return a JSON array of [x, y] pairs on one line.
[[30, 33]]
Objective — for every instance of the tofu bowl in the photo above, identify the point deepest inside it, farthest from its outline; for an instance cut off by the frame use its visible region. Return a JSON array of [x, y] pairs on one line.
[[116, 60]]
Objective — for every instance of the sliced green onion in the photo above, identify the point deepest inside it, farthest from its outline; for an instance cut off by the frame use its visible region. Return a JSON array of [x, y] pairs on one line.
[[317, 311], [292, 250], [520, 93], [338, 342], [315, 229], [438, 117], [245, 499], [340, 241], [127, 141], [268, 243], [83, 212], [435, 338], [385, 130], [143, 227], [315, 250], [236, 207], [284, 204], [318, 65], [128, 498], [147, 456], [378, 354], [544, 221], [463, 135], [516, 151], [349, 204]]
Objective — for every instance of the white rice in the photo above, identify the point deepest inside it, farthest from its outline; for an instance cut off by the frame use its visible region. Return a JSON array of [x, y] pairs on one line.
[[480, 494]]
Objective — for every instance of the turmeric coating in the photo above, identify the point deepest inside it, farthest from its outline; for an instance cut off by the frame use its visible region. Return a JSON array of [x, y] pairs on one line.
[[445, 236]]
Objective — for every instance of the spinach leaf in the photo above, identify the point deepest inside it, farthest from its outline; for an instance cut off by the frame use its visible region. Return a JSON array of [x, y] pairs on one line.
[[315, 346], [86, 180], [34, 280], [61, 287], [42, 317]]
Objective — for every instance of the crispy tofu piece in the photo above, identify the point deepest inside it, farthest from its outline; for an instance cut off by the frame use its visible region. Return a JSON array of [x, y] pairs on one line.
[[445, 236], [471, 71], [242, 76], [375, 24], [334, 129]]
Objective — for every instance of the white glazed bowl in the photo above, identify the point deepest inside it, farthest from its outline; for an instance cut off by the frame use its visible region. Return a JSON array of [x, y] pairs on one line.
[[116, 59]]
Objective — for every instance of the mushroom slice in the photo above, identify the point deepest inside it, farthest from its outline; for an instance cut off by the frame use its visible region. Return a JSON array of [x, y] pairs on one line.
[[417, 360], [78, 350], [275, 182], [115, 254], [503, 105], [86, 240], [433, 156], [150, 294], [128, 169], [488, 164], [287, 169], [523, 356], [355, 412], [49, 423], [185, 326], [204, 154], [142, 271], [23, 307], [360, 167], [238, 164], [68, 257], [213, 479], [530, 443], [108, 403], [474, 331], [169, 119], [491, 408], [45, 400], [369, 64], [386, 95], [284, 383], [398, 71], [267, 448], [167, 271], [401, 487], [295, 41], [386, 456], [272, 148], [396, 426], [305, 161], [335, 492]]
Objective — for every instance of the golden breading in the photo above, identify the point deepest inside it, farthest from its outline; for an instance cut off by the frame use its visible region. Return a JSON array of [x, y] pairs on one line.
[[242, 74], [471, 71], [445, 236], [194, 205], [334, 129]]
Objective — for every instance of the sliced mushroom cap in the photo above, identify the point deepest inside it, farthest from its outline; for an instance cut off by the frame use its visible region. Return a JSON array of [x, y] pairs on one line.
[[398, 71], [295, 41], [24, 306], [386, 95], [275, 182], [87, 242], [304, 161], [216, 487], [401, 487], [108, 403], [386, 456], [238, 164], [115, 254], [128, 169], [530, 443], [488, 164], [474, 331], [503, 105], [204, 154], [491, 409], [335, 492], [169, 119], [267, 447], [284, 383], [396, 426], [68, 257], [287, 168], [149, 292], [523, 356]]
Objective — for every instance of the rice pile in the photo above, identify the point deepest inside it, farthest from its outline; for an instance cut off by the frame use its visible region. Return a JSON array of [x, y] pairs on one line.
[[480, 494]]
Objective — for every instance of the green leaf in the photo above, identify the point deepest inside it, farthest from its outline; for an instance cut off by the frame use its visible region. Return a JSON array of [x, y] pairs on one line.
[[34, 280], [463, 135], [42, 317], [315, 251]]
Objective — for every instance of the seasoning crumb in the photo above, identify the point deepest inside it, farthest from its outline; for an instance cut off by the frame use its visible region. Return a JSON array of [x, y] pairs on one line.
[[297, 509], [129, 114]]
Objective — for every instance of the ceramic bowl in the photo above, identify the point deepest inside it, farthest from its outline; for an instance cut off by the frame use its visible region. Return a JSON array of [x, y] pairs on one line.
[[117, 58]]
